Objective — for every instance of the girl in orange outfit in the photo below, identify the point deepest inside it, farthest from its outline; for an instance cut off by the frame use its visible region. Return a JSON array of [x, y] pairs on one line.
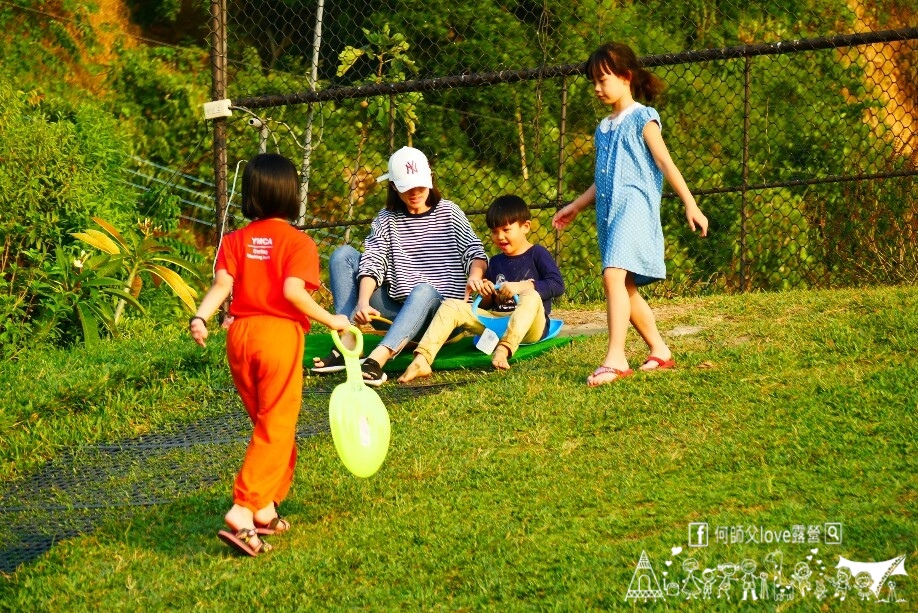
[[270, 268]]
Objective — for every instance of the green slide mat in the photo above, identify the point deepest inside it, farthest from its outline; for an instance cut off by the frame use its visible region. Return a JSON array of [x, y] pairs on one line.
[[461, 354]]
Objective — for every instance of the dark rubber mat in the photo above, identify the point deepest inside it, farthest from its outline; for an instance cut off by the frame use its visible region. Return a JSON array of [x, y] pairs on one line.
[[86, 486]]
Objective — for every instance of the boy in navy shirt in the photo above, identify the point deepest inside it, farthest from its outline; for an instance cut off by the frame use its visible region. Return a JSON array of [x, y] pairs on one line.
[[521, 269]]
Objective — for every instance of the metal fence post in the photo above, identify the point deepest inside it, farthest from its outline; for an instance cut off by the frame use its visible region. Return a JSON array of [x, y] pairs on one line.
[[744, 188], [218, 92], [560, 184], [392, 123], [306, 173]]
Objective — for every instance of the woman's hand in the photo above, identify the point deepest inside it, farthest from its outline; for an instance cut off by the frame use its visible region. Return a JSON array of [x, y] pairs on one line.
[[364, 314]]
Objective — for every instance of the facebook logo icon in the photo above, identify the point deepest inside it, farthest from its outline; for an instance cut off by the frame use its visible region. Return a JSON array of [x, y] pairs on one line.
[[698, 534]]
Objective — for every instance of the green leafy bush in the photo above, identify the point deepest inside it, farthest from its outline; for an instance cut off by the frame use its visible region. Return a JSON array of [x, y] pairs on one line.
[[74, 296], [135, 255], [59, 166], [157, 12], [158, 93]]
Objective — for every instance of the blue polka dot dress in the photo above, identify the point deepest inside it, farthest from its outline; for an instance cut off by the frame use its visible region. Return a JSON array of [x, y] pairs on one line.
[[628, 190]]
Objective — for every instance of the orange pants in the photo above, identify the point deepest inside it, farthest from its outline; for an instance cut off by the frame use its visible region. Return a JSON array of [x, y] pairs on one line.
[[266, 360]]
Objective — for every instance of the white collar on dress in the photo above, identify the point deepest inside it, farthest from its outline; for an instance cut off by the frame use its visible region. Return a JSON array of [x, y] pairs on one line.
[[611, 123]]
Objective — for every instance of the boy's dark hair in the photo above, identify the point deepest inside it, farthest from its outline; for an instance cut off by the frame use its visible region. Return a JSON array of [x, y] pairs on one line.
[[270, 188], [394, 202], [506, 210], [620, 60]]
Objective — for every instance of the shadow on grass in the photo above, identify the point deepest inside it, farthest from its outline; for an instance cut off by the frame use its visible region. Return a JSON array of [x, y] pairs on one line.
[[89, 486]]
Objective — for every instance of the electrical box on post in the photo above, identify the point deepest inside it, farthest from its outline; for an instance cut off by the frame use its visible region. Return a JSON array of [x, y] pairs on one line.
[[217, 108]]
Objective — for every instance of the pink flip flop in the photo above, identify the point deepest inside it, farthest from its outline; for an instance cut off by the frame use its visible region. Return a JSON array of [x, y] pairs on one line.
[[602, 370]]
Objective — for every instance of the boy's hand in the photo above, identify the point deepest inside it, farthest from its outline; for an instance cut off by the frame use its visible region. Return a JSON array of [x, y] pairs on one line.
[[510, 289], [481, 286]]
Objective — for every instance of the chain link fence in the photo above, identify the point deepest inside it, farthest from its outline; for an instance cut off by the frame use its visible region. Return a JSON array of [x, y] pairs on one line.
[[794, 123]]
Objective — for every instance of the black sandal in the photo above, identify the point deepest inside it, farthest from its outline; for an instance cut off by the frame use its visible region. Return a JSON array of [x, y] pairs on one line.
[[372, 373], [333, 362]]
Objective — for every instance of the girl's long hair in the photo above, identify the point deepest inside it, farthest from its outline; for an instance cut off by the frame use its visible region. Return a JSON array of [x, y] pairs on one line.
[[619, 59]]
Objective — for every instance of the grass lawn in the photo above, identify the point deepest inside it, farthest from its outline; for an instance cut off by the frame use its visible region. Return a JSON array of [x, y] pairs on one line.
[[524, 490]]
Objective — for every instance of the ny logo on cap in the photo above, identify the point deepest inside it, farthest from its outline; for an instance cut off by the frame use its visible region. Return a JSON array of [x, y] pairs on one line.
[[411, 168]]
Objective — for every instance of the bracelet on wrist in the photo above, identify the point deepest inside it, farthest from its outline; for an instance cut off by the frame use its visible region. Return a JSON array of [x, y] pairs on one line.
[[191, 321]]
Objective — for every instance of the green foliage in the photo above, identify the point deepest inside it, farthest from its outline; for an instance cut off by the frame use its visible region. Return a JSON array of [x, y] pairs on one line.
[[161, 207], [47, 54], [159, 95], [387, 52], [155, 12], [75, 296], [61, 166], [386, 55], [154, 93], [135, 254], [17, 300]]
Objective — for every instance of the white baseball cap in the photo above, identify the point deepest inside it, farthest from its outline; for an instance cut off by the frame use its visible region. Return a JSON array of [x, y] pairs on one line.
[[408, 168]]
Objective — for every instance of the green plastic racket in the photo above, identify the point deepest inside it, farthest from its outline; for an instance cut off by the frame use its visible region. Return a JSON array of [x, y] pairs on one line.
[[357, 416]]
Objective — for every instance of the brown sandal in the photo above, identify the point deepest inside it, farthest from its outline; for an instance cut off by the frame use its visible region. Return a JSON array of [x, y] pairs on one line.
[[242, 541], [277, 525]]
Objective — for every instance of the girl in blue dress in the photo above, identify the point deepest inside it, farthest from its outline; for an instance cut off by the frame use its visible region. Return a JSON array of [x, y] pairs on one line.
[[631, 162]]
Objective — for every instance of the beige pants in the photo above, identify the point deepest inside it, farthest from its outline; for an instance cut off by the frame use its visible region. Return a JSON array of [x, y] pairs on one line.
[[527, 323]]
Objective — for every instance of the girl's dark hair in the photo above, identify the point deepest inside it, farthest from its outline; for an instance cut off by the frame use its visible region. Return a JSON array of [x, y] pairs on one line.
[[270, 188], [394, 202], [506, 210], [619, 59]]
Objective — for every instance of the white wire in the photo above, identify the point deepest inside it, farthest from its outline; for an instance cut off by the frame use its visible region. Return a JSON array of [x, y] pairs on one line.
[[225, 213], [268, 120]]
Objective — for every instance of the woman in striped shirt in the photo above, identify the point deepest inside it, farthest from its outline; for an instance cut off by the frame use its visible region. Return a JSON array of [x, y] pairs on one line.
[[421, 250]]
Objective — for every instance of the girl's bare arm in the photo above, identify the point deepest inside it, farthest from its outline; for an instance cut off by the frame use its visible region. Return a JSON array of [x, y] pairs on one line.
[[215, 296], [654, 140]]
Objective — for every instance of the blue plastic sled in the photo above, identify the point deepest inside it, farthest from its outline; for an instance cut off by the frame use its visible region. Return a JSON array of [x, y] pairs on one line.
[[498, 325]]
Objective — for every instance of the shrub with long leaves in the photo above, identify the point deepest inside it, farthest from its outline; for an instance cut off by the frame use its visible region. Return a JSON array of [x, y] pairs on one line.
[[82, 291], [136, 253]]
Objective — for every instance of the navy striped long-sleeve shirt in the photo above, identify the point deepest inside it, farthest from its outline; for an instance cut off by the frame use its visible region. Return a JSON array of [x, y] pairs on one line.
[[435, 247]]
